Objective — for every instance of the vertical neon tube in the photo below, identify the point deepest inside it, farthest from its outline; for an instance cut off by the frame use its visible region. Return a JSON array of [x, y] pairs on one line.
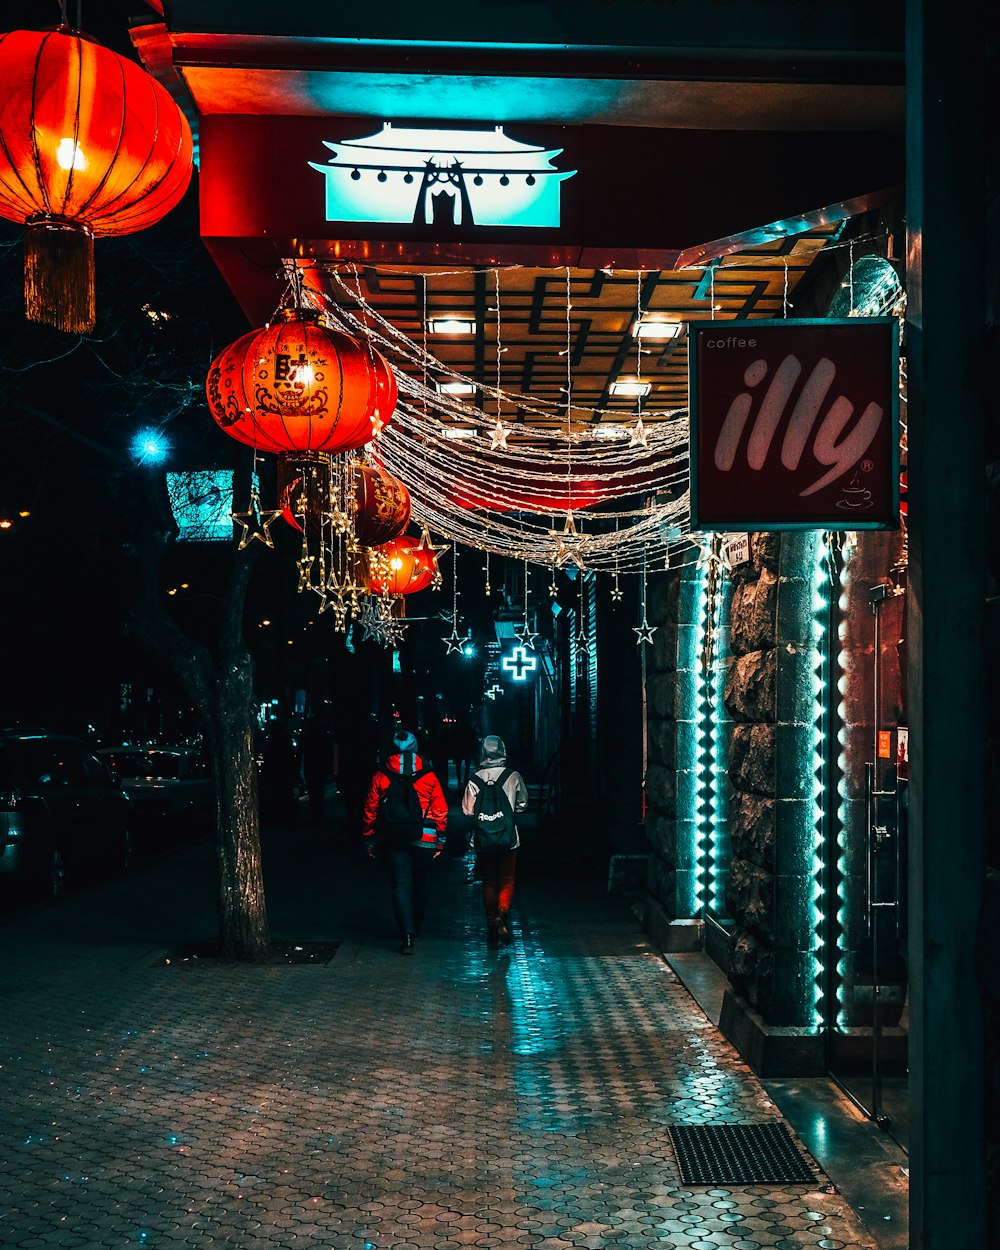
[[817, 754]]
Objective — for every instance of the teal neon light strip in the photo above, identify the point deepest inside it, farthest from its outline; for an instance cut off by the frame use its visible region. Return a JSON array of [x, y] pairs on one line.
[[843, 814], [819, 607], [717, 762], [704, 786]]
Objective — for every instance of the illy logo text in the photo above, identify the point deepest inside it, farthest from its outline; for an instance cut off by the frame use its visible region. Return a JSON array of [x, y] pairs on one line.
[[829, 449]]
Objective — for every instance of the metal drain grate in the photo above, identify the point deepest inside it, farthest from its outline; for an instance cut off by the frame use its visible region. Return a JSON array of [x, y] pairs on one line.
[[739, 1154]]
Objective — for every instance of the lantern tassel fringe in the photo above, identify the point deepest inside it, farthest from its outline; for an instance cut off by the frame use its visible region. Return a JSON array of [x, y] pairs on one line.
[[59, 275]]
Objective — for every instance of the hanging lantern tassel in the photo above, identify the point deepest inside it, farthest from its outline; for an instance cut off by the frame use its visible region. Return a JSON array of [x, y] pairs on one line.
[[59, 274]]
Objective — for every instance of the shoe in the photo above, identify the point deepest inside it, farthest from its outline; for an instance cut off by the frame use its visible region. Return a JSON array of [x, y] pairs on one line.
[[492, 935], [503, 929], [407, 946]]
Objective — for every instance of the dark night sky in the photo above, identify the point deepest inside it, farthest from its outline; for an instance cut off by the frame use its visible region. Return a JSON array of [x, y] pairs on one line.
[[68, 409]]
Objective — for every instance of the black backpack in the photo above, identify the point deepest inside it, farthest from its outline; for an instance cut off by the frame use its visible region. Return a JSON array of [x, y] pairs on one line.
[[493, 825], [400, 813]]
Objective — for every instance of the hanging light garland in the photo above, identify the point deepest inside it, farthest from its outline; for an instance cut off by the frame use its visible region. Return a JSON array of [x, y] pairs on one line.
[[500, 499]]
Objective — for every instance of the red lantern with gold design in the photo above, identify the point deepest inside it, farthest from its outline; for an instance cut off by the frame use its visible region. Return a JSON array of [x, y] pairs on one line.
[[396, 568], [382, 503], [294, 386], [90, 144]]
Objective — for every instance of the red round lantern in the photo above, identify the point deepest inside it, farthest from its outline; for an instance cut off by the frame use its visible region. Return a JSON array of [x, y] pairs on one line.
[[294, 386], [382, 503], [90, 144], [304, 482], [398, 568], [382, 398]]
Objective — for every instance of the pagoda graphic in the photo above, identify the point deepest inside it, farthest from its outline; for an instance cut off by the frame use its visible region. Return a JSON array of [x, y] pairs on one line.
[[453, 178]]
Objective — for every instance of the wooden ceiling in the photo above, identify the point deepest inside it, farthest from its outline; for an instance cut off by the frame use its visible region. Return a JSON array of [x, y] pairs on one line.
[[754, 282]]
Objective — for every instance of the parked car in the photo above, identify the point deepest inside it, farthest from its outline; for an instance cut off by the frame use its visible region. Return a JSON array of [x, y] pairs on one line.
[[164, 783], [62, 814]]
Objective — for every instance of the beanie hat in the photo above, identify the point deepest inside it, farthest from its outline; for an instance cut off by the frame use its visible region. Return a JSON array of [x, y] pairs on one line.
[[403, 740], [493, 748]]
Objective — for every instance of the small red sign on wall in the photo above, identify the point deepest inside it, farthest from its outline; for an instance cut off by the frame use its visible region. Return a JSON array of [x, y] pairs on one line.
[[795, 424]]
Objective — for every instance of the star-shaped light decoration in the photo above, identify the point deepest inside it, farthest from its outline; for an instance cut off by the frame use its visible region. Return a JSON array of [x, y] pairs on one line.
[[338, 520], [616, 590], [304, 565], [644, 632], [453, 642], [569, 544], [526, 636], [553, 588], [429, 552], [498, 437], [256, 523], [707, 557], [639, 436]]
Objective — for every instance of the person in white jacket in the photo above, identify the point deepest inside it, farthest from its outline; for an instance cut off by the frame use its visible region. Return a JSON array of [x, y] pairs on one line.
[[496, 853]]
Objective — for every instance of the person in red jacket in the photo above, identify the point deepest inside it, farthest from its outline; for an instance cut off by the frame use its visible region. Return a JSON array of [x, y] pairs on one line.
[[404, 823]]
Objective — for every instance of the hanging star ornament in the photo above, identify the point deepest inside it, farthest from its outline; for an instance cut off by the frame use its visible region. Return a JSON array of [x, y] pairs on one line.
[[569, 543], [639, 437], [304, 564], [498, 437], [256, 523], [644, 632], [526, 636], [453, 642], [429, 552], [616, 592]]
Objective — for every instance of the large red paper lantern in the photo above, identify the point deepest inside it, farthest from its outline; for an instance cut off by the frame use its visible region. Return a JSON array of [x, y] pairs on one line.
[[382, 398], [294, 386], [398, 568], [383, 505], [90, 145]]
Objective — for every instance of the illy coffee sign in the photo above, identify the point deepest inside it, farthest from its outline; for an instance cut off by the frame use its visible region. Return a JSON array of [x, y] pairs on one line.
[[795, 424]]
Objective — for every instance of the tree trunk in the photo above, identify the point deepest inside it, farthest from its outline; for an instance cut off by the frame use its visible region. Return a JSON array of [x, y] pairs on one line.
[[242, 911], [221, 689]]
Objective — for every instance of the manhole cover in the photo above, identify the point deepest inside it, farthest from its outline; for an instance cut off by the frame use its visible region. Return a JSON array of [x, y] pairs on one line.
[[739, 1154]]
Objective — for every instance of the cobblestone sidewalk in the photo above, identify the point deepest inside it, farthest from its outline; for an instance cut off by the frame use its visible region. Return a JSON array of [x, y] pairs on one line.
[[464, 1097]]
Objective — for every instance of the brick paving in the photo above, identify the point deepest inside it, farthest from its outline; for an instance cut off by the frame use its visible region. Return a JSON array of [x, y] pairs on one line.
[[465, 1097]]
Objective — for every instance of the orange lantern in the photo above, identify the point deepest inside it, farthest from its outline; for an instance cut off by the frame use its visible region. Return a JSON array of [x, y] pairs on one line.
[[397, 568], [294, 386], [382, 506], [305, 484], [90, 145], [382, 398]]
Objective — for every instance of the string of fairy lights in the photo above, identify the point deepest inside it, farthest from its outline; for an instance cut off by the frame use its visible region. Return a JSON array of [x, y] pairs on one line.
[[568, 492], [557, 497]]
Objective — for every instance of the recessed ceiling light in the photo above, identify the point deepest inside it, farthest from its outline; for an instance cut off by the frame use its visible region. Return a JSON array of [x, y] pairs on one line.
[[458, 431], [656, 331], [451, 325], [629, 389], [610, 431], [456, 388]]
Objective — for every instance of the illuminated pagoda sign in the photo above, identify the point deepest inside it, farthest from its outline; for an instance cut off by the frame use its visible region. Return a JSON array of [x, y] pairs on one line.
[[442, 178]]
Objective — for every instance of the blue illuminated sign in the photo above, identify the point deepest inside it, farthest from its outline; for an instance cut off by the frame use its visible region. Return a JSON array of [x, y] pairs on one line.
[[442, 177], [202, 504], [519, 663]]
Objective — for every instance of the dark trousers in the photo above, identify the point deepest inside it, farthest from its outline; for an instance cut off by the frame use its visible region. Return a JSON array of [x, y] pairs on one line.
[[408, 867], [497, 871]]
